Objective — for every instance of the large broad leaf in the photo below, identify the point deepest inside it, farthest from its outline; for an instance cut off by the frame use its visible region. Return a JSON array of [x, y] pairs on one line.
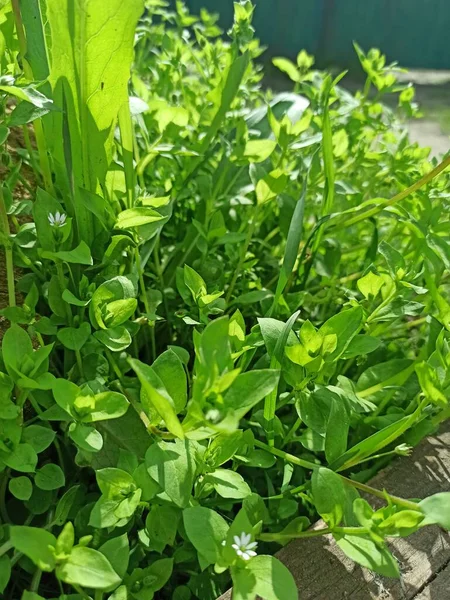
[[273, 581], [206, 530], [89, 568], [365, 552], [91, 54]]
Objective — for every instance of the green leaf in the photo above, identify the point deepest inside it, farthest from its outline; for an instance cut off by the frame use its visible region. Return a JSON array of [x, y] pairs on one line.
[[259, 150], [361, 345], [114, 483], [274, 581], [288, 67], [67, 503], [119, 311], [156, 576], [436, 509], [248, 389], [38, 437], [78, 56], [50, 477], [136, 217], [117, 551], [85, 437], [108, 405], [225, 94], [337, 430], [329, 495], [16, 345], [81, 255], [89, 568], [5, 572], [206, 530], [270, 186], [367, 553], [169, 368], [23, 458], [373, 443], [158, 396], [370, 285], [74, 338], [116, 340], [21, 487], [35, 543], [345, 325], [173, 466], [161, 525], [228, 484]]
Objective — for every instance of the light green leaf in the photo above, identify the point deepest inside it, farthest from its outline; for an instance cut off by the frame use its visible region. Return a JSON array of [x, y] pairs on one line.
[[158, 396], [117, 551], [136, 217], [274, 581], [116, 339], [329, 495], [169, 368], [23, 458], [206, 530], [92, 83], [437, 509], [228, 484], [89, 568], [173, 466], [259, 150], [74, 338], [35, 543], [365, 552], [80, 255]]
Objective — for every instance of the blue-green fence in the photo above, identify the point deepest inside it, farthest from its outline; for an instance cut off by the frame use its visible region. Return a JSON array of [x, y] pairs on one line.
[[413, 32]]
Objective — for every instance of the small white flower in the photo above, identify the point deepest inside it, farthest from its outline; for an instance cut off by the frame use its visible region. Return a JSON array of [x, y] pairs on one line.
[[57, 220], [243, 546]]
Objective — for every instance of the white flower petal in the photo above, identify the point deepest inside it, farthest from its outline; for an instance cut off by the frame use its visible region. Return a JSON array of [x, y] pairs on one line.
[[245, 556], [252, 545], [246, 537], [237, 540], [239, 553], [251, 553], [235, 547]]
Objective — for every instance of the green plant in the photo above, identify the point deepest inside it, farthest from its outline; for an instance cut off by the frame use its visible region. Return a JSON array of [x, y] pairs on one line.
[[234, 307]]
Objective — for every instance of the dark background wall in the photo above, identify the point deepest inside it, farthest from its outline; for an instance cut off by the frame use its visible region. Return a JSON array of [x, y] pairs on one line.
[[413, 32]]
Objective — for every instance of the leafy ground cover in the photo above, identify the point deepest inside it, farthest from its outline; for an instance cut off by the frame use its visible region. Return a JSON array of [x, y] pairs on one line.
[[235, 306]]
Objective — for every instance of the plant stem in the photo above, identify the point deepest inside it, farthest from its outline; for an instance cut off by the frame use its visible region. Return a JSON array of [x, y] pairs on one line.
[[381, 494], [5, 548], [4, 229], [36, 580], [62, 285], [248, 239], [81, 592], [273, 537], [288, 457], [361, 486]]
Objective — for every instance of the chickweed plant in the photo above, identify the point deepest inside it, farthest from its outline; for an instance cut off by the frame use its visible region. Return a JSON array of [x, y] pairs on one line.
[[234, 306]]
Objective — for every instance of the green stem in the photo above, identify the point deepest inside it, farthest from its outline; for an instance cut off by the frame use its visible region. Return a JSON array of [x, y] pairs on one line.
[[287, 457], [62, 285], [248, 239], [4, 229], [292, 432], [5, 548], [79, 363], [36, 580], [81, 592], [274, 537], [3, 511], [361, 486], [381, 494]]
